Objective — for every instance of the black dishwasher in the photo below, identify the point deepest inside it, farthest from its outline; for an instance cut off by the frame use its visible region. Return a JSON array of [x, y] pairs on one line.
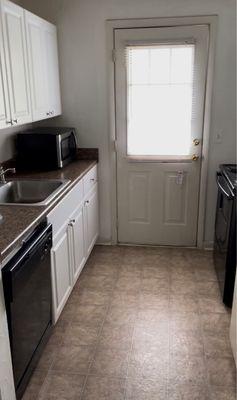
[[27, 291]]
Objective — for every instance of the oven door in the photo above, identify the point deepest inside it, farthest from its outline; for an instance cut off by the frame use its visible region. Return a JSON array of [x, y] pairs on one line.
[[225, 200], [67, 148]]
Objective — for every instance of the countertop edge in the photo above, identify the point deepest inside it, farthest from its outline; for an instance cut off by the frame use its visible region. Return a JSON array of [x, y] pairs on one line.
[[6, 252]]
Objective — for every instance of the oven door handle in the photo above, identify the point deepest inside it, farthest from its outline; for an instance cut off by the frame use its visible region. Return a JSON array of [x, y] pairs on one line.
[[229, 195]]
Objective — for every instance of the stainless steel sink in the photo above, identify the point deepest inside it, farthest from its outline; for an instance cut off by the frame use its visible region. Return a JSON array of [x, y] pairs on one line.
[[31, 192]]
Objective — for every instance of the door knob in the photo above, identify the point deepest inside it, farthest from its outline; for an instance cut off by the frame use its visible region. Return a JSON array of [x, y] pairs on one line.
[[196, 142], [195, 157]]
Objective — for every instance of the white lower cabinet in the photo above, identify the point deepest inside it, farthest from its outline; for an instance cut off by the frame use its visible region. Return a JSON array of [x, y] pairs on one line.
[[91, 218], [61, 271], [75, 230]]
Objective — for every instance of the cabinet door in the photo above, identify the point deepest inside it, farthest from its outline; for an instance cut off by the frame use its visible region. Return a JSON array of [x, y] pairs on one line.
[[5, 117], [91, 218], [37, 53], [61, 273], [52, 69], [16, 59], [78, 242]]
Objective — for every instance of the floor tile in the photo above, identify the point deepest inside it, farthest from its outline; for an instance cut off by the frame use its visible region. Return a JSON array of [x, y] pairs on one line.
[[73, 359], [81, 335], [121, 315], [110, 362], [217, 346], [104, 388], [150, 300], [145, 389], [90, 296], [130, 284], [107, 269], [151, 338], [89, 314], [187, 371], [159, 271], [119, 336], [186, 344], [221, 370], [183, 287], [182, 304], [99, 282], [148, 365], [188, 322], [124, 299], [35, 385], [208, 289], [188, 392], [211, 305], [155, 286], [215, 323], [222, 393], [63, 386]]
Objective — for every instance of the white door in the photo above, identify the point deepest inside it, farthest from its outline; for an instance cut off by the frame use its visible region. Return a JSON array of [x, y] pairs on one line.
[[37, 54], [5, 116], [61, 271], [52, 69], [16, 59], [78, 242], [91, 218], [160, 78]]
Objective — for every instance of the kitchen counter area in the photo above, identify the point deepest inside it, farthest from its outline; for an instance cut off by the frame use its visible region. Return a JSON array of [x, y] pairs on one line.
[[18, 220]]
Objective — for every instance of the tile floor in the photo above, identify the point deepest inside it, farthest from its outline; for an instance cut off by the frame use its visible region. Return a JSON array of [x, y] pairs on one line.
[[140, 324]]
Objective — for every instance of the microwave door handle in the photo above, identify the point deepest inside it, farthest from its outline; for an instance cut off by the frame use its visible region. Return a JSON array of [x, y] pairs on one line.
[[228, 195]]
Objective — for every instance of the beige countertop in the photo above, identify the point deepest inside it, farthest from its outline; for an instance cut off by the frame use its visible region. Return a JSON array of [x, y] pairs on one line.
[[18, 220]]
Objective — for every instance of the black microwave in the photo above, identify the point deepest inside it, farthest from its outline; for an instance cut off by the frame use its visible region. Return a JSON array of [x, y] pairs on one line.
[[46, 148]]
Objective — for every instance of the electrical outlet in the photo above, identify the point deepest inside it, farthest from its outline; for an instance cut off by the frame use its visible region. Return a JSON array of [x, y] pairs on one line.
[[219, 136]]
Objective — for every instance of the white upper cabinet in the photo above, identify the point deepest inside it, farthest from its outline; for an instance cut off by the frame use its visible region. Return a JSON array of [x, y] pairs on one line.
[[37, 65], [29, 72], [13, 24], [5, 117], [44, 71], [52, 69]]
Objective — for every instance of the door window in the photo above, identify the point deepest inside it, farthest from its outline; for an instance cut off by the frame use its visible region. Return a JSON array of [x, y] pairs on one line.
[[159, 99]]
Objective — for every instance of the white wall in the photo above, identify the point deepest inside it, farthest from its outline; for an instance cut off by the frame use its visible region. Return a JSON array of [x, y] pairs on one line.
[[82, 47]]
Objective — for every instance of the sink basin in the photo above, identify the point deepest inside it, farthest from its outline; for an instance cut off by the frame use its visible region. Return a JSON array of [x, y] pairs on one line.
[[31, 192]]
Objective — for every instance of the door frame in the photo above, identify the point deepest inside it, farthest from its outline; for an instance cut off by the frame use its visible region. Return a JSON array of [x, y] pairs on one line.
[[111, 26]]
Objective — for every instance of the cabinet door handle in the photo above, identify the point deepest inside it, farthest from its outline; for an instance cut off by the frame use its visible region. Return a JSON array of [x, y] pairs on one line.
[[9, 122], [92, 179], [15, 120], [48, 113], [72, 222], [87, 202]]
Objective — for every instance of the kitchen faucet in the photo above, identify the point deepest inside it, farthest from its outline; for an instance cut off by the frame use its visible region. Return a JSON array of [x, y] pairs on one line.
[[3, 172]]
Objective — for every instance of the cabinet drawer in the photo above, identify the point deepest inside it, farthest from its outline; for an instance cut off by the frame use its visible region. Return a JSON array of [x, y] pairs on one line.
[[90, 179], [61, 213]]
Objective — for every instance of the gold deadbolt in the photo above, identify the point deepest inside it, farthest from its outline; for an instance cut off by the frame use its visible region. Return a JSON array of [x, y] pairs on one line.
[[196, 142], [195, 157]]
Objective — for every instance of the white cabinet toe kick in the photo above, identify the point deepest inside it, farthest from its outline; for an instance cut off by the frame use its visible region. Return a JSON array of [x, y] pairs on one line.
[[75, 230]]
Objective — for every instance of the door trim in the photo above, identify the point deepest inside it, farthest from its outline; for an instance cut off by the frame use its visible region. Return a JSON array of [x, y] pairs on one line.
[[111, 25]]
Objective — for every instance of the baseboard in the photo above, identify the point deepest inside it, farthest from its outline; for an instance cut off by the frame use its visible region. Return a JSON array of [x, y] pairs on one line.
[[208, 245]]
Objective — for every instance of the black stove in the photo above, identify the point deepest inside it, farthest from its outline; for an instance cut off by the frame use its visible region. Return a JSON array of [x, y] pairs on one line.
[[225, 231]]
